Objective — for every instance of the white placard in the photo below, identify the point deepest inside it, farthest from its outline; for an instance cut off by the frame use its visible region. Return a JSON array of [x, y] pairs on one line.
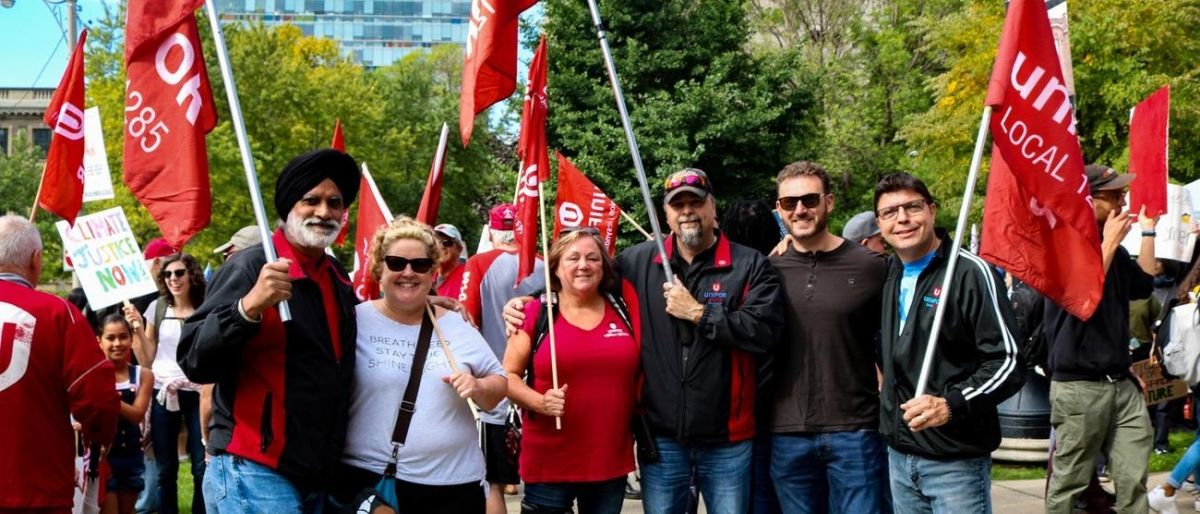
[[1193, 191], [97, 180], [1175, 239], [106, 257]]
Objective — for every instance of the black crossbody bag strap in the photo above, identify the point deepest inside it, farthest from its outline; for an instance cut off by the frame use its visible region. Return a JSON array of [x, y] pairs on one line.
[[409, 404]]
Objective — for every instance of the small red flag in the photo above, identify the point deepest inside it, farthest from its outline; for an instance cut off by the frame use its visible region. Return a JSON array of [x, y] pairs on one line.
[[490, 66], [1148, 127], [169, 108], [535, 164], [1039, 223], [431, 199], [581, 204], [61, 190], [338, 143], [373, 214]]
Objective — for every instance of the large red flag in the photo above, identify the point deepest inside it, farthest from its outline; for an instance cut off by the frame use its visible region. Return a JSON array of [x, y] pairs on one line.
[[581, 204], [431, 199], [490, 66], [535, 163], [339, 143], [1039, 223], [1148, 126], [61, 189], [168, 110], [373, 214]]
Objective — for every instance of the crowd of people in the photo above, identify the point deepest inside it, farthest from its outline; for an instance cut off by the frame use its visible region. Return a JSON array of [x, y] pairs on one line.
[[776, 369]]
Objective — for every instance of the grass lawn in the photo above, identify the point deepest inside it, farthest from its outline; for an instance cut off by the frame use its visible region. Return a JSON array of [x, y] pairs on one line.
[[185, 487], [1179, 444]]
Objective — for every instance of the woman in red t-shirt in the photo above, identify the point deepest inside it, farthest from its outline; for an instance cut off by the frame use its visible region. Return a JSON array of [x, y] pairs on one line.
[[597, 354]]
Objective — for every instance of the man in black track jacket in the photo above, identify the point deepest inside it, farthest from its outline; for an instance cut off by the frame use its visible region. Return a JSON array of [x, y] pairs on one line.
[[940, 442]]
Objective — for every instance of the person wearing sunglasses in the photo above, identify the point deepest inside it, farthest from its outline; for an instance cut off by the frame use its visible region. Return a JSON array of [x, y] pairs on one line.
[[156, 334], [940, 443], [826, 454], [440, 467], [450, 266], [282, 393]]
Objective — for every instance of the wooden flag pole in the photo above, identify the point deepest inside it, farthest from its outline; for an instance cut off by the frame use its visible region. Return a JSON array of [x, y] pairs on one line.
[[635, 225], [38, 196], [549, 295], [437, 327]]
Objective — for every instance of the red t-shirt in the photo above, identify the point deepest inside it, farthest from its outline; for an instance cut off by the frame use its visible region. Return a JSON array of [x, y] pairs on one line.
[[451, 285], [600, 367]]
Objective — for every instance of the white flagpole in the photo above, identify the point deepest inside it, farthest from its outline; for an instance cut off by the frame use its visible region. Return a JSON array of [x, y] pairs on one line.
[[632, 139], [239, 128], [963, 212], [387, 213]]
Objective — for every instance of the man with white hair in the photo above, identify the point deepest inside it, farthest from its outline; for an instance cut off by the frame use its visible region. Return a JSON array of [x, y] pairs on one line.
[[281, 401], [53, 370]]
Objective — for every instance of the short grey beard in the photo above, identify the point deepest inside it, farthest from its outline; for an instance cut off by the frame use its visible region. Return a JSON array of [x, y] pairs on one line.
[[691, 238], [298, 231]]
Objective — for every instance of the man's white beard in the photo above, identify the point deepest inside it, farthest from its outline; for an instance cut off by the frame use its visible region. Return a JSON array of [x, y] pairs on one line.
[[691, 237], [304, 232]]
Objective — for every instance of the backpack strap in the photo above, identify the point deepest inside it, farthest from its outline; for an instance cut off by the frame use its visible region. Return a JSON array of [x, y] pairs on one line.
[[542, 327], [160, 312]]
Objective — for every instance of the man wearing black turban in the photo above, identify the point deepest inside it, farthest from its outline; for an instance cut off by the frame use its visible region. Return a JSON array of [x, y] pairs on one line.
[[281, 399]]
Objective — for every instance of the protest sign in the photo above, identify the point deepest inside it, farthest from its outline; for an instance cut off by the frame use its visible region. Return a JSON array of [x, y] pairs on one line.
[[1158, 387], [106, 257], [97, 181], [1175, 240]]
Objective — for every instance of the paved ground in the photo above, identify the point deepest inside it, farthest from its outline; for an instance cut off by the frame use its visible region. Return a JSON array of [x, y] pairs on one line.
[[1008, 497]]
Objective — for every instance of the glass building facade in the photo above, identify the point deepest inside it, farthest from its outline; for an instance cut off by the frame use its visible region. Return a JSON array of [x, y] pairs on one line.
[[375, 32]]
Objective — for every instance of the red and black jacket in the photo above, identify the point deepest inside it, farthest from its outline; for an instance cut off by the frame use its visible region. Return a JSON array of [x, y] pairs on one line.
[[281, 397], [707, 397]]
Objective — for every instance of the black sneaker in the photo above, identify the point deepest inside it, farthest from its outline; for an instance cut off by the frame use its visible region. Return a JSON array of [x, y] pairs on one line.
[[1162, 451]]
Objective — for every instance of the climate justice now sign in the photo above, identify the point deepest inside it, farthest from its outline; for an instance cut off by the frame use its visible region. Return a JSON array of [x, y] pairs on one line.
[[106, 257]]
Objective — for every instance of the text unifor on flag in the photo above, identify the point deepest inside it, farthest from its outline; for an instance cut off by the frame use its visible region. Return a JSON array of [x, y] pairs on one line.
[[1039, 223], [168, 110], [61, 188], [581, 204], [490, 63], [535, 163]]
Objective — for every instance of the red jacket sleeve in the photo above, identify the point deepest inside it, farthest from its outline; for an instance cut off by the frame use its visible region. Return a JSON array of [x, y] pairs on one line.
[[469, 295], [90, 380]]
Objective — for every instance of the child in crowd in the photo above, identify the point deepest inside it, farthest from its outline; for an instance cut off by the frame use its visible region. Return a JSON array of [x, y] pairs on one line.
[[135, 385]]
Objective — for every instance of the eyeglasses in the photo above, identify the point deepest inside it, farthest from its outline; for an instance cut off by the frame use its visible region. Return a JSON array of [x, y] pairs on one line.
[[166, 274], [912, 208], [686, 178], [809, 201], [397, 264], [586, 230], [447, 243], [1111, 195]]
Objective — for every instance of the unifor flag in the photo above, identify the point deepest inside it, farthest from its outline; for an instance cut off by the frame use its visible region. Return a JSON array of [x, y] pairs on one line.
[[581, 204], [373, 214], [1148, 128], [535, 164], [168, 110], [490, 63], [1038, 220], [339, 143], [61, 189]]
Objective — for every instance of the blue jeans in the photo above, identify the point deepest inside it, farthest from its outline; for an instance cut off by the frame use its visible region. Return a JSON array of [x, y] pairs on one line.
[[164, 432], [831, 472], [148, 499], [1186, 466], [923, 486], [234, 485], [763, 499], [721, 473], [556, 498]]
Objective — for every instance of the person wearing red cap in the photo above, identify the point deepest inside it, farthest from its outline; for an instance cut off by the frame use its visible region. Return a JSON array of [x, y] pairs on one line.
[[487, 283]]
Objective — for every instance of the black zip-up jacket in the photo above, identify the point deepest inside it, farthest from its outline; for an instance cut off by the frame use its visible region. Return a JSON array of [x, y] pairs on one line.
[[281, 399], [707, 397], [976, 365]]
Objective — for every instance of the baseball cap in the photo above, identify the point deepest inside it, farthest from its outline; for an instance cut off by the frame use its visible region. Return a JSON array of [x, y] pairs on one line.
[[245, 237], [687, 180], [861, 226], [158, 248], [1104, 178], [502, 216], [450, 231]]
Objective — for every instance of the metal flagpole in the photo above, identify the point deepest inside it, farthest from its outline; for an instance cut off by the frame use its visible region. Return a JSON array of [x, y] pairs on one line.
[[963, 211], [633, 146], [239, 128]]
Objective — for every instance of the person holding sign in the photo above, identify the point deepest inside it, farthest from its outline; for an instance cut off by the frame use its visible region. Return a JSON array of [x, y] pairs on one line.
[[597, 355], [435, 459], [282, 391], [177, 399]]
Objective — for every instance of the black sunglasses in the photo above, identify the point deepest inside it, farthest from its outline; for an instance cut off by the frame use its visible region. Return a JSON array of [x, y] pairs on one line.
[[809, 201], [586, 230], [166, 274], [397, 264]]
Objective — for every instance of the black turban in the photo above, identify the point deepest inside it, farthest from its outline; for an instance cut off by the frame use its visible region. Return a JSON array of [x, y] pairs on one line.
[[306, 171]]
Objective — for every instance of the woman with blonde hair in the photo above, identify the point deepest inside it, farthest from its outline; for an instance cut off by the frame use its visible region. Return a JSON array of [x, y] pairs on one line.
[[435, 459]]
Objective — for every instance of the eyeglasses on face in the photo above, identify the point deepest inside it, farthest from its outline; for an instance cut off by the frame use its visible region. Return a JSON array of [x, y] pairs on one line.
[[912, 208], [447, 243], [685, 178], [397, 264], [166, 274], [1111, 195], [809, 201]]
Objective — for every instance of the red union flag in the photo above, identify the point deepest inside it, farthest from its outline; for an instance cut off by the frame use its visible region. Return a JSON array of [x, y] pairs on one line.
[[168, 110], [1039, 223], [373, 214], [535, 163], [61, 189], [1148, 126], [490, 66], [431, 199], [339, 143], [581, 204]]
